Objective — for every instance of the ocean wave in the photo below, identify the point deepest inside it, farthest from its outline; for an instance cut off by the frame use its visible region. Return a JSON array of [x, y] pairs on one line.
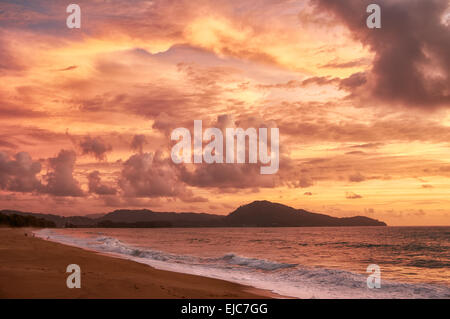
[[426, 263], [255, 263], [293, 280]]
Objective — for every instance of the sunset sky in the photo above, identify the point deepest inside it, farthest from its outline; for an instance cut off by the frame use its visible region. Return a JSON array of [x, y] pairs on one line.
[[364, 114]]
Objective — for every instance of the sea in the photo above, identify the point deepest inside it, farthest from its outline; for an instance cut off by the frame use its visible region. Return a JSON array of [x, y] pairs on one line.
[[302, 262]]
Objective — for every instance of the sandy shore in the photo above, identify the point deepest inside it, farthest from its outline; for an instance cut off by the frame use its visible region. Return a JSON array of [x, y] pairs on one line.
[[35, 268]]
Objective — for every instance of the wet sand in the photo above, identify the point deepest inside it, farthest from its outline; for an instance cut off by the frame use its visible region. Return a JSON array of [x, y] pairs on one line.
[[34, 268]]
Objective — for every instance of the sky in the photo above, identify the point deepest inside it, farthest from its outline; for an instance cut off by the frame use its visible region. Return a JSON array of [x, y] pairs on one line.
[[363, 114]]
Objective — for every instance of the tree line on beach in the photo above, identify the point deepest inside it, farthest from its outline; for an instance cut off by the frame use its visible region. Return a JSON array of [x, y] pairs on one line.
[[15, 220]]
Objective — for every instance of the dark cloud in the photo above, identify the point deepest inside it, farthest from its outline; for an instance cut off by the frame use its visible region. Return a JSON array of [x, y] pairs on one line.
[[6, 144], [304, 182], [95, 146], [149, 175], [412, 49], [97, 187], [353, 81], [138, 142], [351, 195], [69, 68], [226, 176], [16, 112], [356, 178], [164, 123], [60, 180], [292, 84], [367, 145], [320, 80], [19, 174]]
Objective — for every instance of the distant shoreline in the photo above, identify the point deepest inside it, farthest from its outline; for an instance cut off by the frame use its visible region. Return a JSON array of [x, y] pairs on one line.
[[261, 213]]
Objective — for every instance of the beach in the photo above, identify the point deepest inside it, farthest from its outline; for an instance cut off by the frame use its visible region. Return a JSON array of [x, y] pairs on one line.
[[35, 268]]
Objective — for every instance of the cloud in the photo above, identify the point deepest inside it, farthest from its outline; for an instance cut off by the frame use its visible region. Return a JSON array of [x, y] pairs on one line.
[[96, 147], [353, 81], [367, 145], [60, 180], [9, 62], [69, 68], [14, 112], [232, 176], [349, 83], [149, 175], [194, 199], [19, 174], [138, 142], [372, 134], [226, 176], [164, 123], [351, 195], [356, 178], [412, 49], [319, 80], [17, 104], [304, 182], [96, 186], [6, 144]]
